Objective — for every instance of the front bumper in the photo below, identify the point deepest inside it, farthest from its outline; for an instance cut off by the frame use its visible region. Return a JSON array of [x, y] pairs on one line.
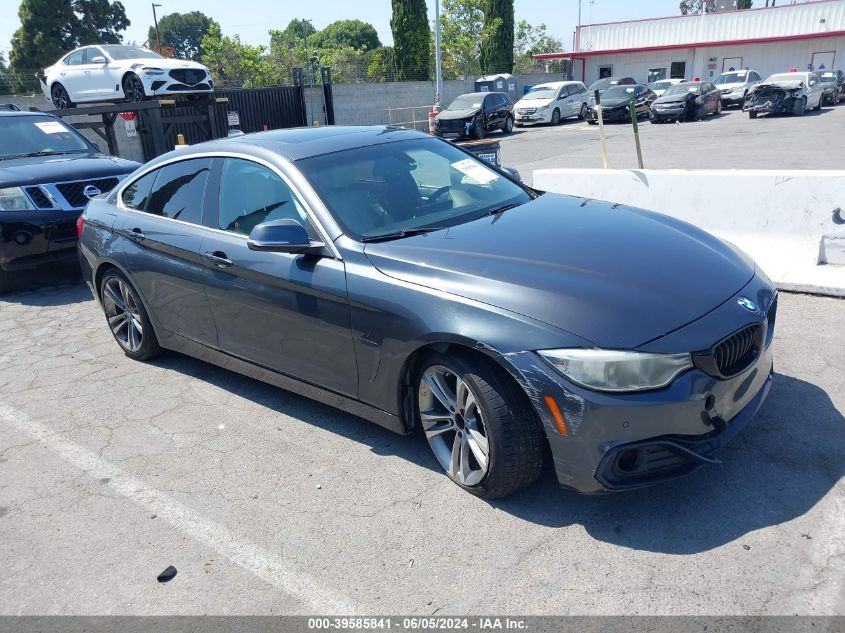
[[667, 113], [619, 441], [609, 115], [167, 85], [537, 117]]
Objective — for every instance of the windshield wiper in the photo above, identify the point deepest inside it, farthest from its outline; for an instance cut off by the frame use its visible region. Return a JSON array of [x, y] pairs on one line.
[[400, 234], [502, 209], [44, 153]]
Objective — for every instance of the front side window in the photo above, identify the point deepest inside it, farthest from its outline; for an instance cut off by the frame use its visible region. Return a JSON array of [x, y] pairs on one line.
[[179, 190], [137, 195], [419, 184], [251, 194], [76, 58]]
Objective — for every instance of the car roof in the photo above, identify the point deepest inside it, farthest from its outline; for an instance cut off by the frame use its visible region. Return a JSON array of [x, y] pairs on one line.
[[305, 142], [7, 113], [480, 94]]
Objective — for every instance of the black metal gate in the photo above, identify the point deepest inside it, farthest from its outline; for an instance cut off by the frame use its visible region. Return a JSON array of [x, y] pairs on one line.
[[260, 108]]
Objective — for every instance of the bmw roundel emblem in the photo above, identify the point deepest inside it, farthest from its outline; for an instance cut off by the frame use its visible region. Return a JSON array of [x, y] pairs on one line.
[[91, 192], [748, 304]]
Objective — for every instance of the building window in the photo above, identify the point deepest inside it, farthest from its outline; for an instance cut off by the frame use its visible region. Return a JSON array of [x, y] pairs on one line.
[[678, 70], [656, 74], [605, 71]]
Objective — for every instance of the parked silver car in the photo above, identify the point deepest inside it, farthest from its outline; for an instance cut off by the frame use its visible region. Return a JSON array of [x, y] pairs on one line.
[[735, 85]]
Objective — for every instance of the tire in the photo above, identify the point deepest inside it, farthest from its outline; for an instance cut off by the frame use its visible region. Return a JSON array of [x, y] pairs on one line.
[[591, 122], [718, 108], [700, 113], [507, 128], [135, 334], [60, 97], [478, 129], [5, 282], [487, 410], [583, 114], [752, 114], [556, 117], [800, 107], [819, 106], [133, 89]]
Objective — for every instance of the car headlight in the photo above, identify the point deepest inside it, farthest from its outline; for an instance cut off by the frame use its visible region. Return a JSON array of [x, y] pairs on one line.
[[152, 71], [542, 108], [14, 199], [609, 370]]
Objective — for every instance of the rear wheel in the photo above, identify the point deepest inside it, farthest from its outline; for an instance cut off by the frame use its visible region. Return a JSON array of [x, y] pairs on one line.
[[718, 108], [752, 114], [133, 89], [819, 106], [483, 434], [127, 317], [60, 97], [556, 117]]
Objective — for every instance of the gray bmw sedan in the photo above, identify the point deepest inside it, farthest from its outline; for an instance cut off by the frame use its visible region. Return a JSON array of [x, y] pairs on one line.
[[393, 275]]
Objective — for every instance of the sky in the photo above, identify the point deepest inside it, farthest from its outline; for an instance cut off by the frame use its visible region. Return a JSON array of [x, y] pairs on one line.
[[251, 19]]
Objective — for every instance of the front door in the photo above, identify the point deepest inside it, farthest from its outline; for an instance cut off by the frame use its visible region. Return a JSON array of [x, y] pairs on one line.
[[161, 246], [286, 312]]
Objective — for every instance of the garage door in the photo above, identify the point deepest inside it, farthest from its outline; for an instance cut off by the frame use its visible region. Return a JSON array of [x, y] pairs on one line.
[[731, 64]]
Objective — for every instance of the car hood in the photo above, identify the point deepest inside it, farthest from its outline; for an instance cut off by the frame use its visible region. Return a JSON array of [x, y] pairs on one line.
[[730, 86], [533, 103], [63, 168], [672, 98], [614, 275], [783, 85], [448, 115], [615, 103], [166, 63]]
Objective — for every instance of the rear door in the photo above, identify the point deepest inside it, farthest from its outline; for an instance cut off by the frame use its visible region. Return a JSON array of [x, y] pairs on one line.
[[286, 312], [161, 234]]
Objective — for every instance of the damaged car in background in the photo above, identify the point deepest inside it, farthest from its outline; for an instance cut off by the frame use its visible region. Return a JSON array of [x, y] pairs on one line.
[[787, 93]]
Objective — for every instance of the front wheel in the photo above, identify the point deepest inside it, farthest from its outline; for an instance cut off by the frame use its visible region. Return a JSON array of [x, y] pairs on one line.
[[127, 317], [507, 128], [478, 129], [819, 106], [718, 108], [133, 89], [799, 106], [752, 114], [584, 109], [480, 429], [556, 117], [5, 282]]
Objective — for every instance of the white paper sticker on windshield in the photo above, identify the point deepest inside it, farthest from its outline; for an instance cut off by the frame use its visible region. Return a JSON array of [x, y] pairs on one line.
[[51, 127], [478, 172]]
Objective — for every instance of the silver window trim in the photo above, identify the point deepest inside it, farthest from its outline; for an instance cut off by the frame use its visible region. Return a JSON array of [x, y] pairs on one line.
[[312, 217]]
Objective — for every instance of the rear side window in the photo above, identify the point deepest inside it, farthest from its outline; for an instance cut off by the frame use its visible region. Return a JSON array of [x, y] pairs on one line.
[[179, 190], [136, 195]]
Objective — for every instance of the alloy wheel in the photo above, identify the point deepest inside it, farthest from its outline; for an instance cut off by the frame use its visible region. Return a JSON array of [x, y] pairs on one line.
[[60, 97], [454, 425], [123, 314], [133, 89]]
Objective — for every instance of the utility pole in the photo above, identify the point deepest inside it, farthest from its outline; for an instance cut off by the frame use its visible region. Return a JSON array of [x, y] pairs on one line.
[[155, 21], [437, 70]]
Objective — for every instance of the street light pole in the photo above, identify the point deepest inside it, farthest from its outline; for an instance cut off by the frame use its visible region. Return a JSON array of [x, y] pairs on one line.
[[155, 21], [437, 70]]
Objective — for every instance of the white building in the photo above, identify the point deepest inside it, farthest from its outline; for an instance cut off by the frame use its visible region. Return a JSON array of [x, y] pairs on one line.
[[768, 40]]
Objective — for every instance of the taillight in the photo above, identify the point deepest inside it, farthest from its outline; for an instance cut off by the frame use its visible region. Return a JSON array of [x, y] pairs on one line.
[[80, 225]]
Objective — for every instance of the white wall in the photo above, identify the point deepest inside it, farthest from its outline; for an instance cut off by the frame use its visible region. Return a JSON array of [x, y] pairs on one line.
[[767, 59]]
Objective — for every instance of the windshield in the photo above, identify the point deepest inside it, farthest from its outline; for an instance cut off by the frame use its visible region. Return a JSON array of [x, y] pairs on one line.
[[828, 77], [618, 92], [660, 85], [21, 135], [682, 89], [130, 52], [424, 183], [542, 92], [466, 102], [730, 78], [602, 84], [774, 79]]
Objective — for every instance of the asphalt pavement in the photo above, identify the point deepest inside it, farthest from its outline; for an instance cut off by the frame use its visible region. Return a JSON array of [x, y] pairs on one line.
[[267, 503]]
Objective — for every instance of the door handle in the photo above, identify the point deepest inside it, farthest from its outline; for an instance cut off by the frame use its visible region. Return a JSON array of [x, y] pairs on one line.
[[136, 234], [219, 259]]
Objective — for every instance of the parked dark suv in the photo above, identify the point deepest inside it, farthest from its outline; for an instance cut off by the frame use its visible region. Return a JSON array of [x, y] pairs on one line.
[[475, 114], [48, 173]]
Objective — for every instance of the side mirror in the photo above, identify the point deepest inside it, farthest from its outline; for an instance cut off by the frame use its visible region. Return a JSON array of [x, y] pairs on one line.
[[512, 172], [99, 59], [280, 236]]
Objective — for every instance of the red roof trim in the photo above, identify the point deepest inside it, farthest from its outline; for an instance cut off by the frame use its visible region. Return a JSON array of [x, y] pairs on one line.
[[669, 47], [698, 15]]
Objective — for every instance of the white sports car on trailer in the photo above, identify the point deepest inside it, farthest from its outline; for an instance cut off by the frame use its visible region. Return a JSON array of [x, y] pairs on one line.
[[106, 72]]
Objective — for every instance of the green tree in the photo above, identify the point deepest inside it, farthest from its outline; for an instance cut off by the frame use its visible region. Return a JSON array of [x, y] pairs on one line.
[[4, 71], [744, 4], [183, 32], [692, 7], [347, 34], [382, 65], [411, 35], [51, 28], [463, 28], [497, 46], [294, 33], [529, 41], [234, 64]]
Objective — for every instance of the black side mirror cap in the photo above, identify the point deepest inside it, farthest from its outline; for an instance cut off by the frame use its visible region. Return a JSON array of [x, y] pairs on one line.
[[280, 236]]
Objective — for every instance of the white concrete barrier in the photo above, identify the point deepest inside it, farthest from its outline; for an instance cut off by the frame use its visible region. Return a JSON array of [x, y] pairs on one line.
[[791, 222]]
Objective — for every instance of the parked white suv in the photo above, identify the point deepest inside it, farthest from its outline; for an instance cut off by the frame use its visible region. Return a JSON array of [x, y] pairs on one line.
[[120, 73], [735, 85], [551, 102]]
